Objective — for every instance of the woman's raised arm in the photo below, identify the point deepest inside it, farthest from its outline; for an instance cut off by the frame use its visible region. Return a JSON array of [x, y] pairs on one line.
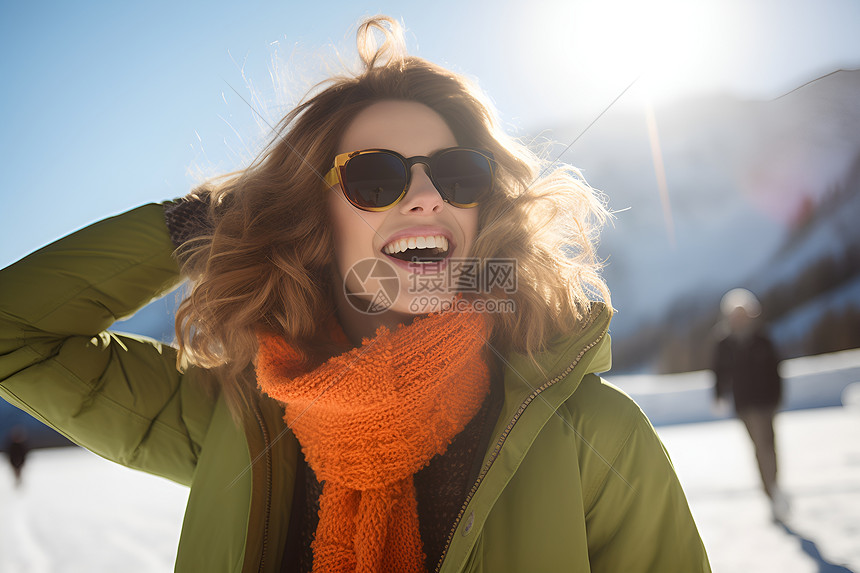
[[120, 396]]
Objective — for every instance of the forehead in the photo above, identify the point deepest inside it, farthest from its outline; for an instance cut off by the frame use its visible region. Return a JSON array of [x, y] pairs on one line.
[[408, 127]]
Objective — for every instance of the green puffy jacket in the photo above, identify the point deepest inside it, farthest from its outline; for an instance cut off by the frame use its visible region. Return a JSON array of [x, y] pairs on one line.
[[575, 478]]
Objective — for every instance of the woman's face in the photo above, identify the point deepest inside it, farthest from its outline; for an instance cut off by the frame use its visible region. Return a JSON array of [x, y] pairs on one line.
[[362, 237]]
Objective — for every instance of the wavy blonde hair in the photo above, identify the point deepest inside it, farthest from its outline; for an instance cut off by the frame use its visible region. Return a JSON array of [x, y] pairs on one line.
[[267, 261]]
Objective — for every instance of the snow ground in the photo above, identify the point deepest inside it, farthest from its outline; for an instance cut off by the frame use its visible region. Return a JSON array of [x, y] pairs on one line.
[[77, 512], [819, 469]]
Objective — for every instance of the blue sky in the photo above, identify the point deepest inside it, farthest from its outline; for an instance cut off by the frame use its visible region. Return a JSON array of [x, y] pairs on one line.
[[106, 106]]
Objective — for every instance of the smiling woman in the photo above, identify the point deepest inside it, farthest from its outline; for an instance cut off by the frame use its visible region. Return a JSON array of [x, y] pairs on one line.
[[417, 212], [454, 421]]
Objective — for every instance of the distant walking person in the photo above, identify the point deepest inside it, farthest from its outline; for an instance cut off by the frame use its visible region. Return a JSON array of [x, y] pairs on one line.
[[746, 366], [16, 449]]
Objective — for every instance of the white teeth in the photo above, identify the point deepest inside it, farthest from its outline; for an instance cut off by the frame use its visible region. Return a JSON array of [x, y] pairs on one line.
[[429, 242]]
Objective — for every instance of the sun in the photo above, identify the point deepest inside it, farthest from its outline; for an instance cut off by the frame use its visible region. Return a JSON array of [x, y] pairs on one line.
[[589, 50]]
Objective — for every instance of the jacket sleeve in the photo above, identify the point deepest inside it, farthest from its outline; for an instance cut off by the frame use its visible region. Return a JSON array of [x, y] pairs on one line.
[[118, 395], [638, 519]]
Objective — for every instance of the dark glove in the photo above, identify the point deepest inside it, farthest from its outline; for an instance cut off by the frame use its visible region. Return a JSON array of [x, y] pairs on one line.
[[188, 217]]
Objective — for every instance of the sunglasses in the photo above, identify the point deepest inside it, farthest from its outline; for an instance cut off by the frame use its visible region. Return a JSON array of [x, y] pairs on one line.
[[377, 179]]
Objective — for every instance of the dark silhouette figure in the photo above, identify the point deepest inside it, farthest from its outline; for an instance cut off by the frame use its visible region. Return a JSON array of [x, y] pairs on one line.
[[745, 364], [16, 449]]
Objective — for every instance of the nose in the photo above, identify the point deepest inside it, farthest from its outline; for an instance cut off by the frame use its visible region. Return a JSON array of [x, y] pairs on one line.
[[422, 197]]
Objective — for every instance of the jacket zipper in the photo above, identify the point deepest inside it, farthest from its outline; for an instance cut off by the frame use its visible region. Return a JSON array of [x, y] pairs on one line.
[[501, 441], [268, 451]]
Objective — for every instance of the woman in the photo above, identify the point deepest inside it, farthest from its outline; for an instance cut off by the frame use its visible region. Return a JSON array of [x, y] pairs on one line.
[[348, 399]]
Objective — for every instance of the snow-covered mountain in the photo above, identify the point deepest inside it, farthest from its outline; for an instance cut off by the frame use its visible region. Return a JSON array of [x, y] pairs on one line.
[[739, 176], [756, 193]]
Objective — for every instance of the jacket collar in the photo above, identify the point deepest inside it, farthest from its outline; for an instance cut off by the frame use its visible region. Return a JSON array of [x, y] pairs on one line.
[[533, 394], [554, 377], [585, 349]]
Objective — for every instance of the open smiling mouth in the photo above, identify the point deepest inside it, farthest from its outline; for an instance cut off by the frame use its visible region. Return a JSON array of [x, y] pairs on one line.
[[430, 249]]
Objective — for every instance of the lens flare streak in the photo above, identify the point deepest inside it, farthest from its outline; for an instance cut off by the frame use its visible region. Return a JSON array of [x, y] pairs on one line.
[[660, 171]]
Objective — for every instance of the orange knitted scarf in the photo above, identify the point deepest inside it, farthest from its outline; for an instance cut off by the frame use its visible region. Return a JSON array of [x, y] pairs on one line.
[[370, 418]]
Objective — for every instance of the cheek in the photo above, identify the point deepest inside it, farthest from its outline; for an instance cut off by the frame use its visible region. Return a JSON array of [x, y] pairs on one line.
[[338, 220], [468, 219], [352, 234]]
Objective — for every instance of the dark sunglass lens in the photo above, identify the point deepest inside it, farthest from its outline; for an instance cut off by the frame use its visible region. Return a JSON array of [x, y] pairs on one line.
[[463, 176], [375, 179]]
